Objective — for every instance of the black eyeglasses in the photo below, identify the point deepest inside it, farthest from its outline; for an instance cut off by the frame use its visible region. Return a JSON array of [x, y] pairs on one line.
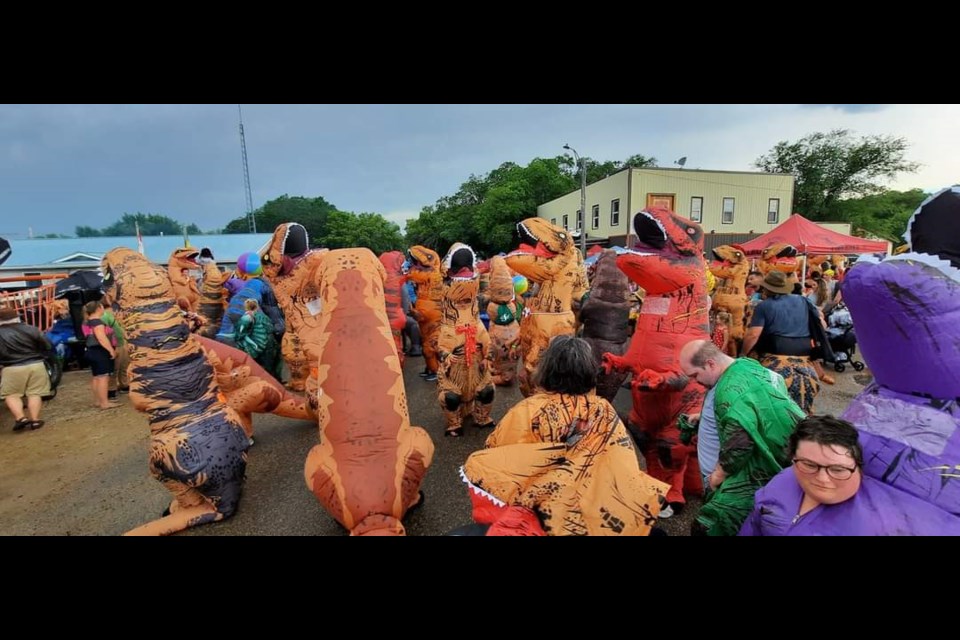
[[835, 471]]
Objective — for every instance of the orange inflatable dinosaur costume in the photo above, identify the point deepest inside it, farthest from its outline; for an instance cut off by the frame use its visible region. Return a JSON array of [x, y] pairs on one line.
[[250, 389], [548, 256], [425, 274], [212, 300], [729, 294], [179, 265], [667, 262], [463, 379], [288, 264], [504, 313], [197, 443], [367, 469]]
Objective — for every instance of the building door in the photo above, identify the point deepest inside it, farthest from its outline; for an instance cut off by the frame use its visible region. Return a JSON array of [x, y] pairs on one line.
[[662, 200]]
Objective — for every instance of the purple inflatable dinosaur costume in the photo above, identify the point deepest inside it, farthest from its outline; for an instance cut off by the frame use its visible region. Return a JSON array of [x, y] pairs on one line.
[[906, 309]]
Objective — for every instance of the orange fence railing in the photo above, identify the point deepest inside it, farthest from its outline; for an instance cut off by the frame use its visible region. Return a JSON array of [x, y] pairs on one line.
[[34, 306]]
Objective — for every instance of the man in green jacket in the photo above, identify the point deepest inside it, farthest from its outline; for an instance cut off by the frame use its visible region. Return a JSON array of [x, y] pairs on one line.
[[755, 417]]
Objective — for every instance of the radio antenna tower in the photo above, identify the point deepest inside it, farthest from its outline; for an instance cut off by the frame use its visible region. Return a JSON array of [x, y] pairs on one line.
[[246, 176]]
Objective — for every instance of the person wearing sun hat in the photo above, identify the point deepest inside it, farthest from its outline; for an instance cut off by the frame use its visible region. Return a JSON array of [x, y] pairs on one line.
[[22, 351], [780, 334]]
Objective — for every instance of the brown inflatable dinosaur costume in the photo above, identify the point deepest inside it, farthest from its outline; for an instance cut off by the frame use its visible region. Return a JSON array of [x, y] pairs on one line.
[[250, 389], [288, 264], [367, 469], [463, 379], [197, 443], [667, 262], [504, 310], [213, 299], [547, 256], [425, 274], [606, 319], [181, 262], [392, 262], [729, 294]]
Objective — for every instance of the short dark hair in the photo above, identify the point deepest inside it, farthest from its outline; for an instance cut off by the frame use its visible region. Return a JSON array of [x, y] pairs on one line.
[[567, 366], [826, 430], [755, 273]]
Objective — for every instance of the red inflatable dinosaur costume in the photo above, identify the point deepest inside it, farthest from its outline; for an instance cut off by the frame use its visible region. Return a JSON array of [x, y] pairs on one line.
[[667, 262]]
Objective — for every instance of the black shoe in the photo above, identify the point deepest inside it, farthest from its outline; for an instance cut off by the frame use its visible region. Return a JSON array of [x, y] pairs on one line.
[[415, 353], [112, 395], [21, 424], [432, 377], [123, 390]]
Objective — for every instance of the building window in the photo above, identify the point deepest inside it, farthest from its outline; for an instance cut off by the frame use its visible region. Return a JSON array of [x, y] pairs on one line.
[[596, 216], [696, 209], [727, 217], [566, 226], [553, 221], [773, 211], [615, 213], [579, 219]]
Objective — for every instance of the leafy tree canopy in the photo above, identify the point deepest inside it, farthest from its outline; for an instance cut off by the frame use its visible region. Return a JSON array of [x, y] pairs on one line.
[[151, 224], [832, 166], [312, 213], [884, 215], [369, 230]]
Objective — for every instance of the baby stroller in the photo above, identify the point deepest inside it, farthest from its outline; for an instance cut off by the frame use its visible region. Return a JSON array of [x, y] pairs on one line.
[[843, 340]]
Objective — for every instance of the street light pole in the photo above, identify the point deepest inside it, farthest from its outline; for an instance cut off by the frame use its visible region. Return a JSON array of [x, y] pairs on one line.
[[583, 198]]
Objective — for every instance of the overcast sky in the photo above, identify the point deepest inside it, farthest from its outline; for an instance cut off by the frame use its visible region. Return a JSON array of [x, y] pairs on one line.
[[68, 165]]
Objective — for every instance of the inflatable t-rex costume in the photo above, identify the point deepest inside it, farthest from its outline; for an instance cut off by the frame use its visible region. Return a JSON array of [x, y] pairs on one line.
[[367, 469], [667, 262], [392, 262], [250, 389], [463, 347], [212, 300], [561, 465], [729, 294], [288, 264], [184, 286], [606, 319], [197, 443], [425, 274], [504, 313], [906, 310], [780, 257], [547, 256]]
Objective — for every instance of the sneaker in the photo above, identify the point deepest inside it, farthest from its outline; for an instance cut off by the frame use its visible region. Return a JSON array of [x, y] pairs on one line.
[[430, 378], [112, 395], [424, 373], [666, 512]]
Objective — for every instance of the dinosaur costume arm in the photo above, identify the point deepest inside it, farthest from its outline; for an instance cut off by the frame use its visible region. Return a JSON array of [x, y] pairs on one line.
[[514, 426]]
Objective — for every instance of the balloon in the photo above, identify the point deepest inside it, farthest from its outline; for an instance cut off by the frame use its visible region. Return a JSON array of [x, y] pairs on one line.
[[249, 264], [520, 285]]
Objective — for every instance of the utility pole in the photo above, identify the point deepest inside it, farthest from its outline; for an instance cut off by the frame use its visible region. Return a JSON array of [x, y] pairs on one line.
[[583, 198], [246, 176]]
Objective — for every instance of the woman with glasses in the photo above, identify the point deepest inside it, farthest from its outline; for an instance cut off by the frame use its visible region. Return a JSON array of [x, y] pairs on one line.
[[824, 492]]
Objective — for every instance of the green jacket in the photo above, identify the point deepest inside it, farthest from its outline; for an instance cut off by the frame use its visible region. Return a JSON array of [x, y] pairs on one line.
[[111, 321]]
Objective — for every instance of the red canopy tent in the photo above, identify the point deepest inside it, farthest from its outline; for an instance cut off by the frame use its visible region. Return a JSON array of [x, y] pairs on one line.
[[809, 237]]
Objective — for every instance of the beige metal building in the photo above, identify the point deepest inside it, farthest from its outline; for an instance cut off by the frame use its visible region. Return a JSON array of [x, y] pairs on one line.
[[733, 205]]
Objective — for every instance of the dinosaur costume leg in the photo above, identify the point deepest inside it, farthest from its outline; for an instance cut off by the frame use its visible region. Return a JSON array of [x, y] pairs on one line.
[[292, 350], [505, 349], [429, 335]]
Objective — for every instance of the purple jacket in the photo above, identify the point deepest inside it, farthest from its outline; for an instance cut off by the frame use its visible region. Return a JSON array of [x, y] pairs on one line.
[[876, 510]]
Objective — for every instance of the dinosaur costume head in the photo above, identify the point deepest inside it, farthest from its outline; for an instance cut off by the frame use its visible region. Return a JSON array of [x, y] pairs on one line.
[[424, 263], [130, 281], [730, 261], [289, 242], [609, 283], [779, 257], [183, 258], [501, 289], [668, 254], [392, 261], [906, 308], [461, 281], [545, 250]]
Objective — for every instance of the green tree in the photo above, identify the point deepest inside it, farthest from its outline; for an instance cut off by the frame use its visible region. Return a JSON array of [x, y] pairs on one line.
[[312, 213], [151, 224], [87, 232], [832, 166], [369, 230], [884, 215]]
